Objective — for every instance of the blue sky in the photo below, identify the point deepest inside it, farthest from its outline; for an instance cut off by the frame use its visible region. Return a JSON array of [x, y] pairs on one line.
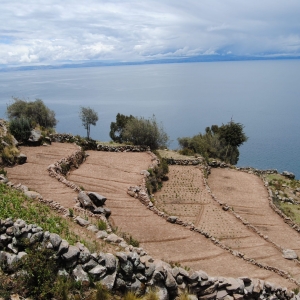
[[54, 31]]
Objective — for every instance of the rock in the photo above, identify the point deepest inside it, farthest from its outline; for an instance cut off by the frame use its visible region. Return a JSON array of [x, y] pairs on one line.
[[122, 257], [80, 275], [107, 212], [160, 290], [145, 173], [136, 287], [289, 254], [109, 280], [221, 294], [172, 219], [98, 211], [90, 265], [98, 271], [55, 240], [92, 228], [127, 268], [235, 285], [63, 247], [170, 282], [36, 237], [288, 174], [82, 222], [33, 195], [35, 137], [101, 234], [21, 159], [97, 199], [71, 254], [3, 179], [110, 262], [85, 200], [113, 238]]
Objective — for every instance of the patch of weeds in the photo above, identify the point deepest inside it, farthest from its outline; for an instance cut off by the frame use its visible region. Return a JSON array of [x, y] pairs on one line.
[[296, 291], [82, 188], [101, 225], [3, 172], [71, 212], [131, 296], [151, 295], [65, 168]]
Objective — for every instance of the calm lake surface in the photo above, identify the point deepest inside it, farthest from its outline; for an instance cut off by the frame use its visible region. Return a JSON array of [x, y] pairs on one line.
[[262, 95]]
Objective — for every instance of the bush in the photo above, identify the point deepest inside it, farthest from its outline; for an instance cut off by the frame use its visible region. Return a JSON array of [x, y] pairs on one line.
[[101, 225], [140, 131], [35, 111], [217, 142], [20, 128]]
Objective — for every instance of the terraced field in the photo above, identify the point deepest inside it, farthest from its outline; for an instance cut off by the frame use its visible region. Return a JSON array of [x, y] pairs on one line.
[[184, 195]]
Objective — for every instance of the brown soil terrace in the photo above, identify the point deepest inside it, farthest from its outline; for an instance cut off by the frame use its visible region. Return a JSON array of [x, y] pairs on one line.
[[184, 195]]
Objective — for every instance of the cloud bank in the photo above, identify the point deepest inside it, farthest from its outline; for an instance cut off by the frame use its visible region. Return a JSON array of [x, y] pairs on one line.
[[53, 31]]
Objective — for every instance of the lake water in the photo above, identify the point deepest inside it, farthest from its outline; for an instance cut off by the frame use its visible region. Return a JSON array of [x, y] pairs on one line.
[[262, 95]]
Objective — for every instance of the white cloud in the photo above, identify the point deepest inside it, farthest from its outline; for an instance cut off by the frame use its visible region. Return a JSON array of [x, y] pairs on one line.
[[129, 30]]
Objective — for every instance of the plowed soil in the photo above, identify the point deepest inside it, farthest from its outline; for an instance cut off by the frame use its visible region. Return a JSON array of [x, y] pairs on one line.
[[111, 174], [249, 198]]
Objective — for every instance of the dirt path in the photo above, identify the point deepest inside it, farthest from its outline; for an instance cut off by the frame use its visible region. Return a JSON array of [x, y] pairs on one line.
[[111, 174], [248, 196], [35, 176]]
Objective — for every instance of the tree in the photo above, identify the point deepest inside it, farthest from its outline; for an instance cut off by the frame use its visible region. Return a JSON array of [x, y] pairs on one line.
[[217, 142], [88, 117], [35, 111], [117, 128], [140, 131]]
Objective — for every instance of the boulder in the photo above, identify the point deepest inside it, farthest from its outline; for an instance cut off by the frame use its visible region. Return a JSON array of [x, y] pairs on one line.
[[82, 222], [113, 238], [109, 280], [33, 195], [71, 254], [85, 200], [97, 199], [172, 219], [289, 254], [97, 272], [21, 159], [80, 275], [55, 240], [35, 137], [110, 262], [289, 175]]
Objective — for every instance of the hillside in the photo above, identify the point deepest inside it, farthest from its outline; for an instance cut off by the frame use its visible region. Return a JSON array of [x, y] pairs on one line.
[[202, 234]]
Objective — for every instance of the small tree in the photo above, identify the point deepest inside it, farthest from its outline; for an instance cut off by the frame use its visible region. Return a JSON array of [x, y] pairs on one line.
[[35, 111], [140, 131], [117, 128], [88, 117]]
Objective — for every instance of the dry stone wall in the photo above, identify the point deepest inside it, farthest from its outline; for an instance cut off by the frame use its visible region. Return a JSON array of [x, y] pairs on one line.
[[128, 270]]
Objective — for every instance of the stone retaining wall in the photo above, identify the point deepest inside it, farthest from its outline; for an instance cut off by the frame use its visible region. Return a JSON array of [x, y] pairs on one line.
[[93, 145], [131, 269]]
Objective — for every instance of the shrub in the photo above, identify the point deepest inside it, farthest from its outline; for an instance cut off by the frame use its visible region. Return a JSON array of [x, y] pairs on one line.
[[101, 225], [140, 131], [20, 128], [35, 111]]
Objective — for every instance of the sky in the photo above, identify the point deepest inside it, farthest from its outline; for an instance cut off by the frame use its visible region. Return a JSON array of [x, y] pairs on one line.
[[54, 31]]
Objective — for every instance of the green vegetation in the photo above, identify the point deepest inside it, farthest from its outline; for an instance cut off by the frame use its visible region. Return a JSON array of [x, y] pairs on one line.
[[138, 131], [8, 152], [20, 128], [217, 142], [157, 175], [88, 117], [117, 128], [14, 204], [35, 111], [101, 225]]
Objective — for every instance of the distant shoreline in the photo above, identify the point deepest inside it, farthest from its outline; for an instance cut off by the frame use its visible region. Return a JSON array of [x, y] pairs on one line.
[[90, 64]]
